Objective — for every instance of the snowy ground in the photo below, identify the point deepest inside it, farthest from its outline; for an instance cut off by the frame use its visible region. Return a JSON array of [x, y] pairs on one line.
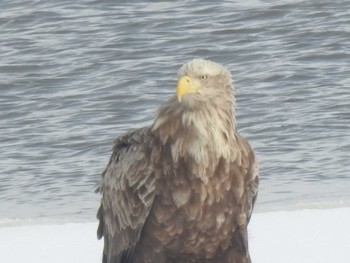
[[307, 236]]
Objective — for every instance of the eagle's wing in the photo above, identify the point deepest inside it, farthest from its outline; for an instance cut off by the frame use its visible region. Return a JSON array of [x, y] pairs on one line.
[[128, 190], [249, 164], [247, 161]]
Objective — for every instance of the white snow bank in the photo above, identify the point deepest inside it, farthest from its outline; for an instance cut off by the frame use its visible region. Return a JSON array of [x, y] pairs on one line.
[[75, 243], [308, 236]]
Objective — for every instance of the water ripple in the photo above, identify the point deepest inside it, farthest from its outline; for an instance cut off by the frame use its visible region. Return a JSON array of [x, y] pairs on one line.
[[76, 75]]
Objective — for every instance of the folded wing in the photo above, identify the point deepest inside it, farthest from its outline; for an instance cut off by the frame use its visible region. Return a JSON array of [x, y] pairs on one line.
[[128, 190]]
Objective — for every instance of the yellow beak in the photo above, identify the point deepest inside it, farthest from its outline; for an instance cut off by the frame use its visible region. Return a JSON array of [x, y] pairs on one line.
[[185, 85]]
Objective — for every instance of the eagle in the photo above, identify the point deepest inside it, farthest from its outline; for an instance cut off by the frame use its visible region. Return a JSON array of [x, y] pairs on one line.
[[183, 188]]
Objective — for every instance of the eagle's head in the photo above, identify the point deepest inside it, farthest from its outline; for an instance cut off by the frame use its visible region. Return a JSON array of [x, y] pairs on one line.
[[204, 82], [204, 107]]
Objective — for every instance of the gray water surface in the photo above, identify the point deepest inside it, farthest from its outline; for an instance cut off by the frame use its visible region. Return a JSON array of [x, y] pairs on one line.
[[75, 75]]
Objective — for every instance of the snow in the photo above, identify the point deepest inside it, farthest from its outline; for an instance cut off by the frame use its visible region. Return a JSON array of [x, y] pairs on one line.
[[305, 236]]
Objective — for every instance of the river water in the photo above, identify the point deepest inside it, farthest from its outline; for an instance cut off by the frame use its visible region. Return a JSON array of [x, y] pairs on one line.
[[75, 75]]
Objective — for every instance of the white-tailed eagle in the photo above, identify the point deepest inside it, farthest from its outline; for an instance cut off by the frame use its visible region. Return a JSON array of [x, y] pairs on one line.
[[182, 189]]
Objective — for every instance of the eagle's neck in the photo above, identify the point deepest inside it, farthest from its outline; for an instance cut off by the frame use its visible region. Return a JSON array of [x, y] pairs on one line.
[[204, 135]]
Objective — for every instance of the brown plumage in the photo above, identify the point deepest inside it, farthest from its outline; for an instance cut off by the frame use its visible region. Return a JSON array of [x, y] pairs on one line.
[[183, 189]]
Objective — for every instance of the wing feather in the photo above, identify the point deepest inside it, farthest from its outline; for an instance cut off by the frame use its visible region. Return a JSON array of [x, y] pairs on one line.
[[250, 171], [128, 190], [250, 165]]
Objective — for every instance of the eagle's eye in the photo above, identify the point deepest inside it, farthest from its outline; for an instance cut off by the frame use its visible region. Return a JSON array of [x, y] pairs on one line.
[[204, 77]]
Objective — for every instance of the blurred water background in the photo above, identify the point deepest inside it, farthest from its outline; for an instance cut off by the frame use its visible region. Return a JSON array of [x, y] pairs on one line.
[[76, 74]]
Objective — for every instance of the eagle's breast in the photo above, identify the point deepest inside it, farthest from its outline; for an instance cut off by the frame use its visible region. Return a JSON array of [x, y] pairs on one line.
[[197, 210]]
